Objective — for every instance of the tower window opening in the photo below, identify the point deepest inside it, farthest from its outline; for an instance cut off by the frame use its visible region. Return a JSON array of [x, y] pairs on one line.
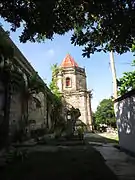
[[68, 82]]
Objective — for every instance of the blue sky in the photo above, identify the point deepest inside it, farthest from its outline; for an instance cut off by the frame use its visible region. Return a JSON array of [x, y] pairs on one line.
[[99, 77]]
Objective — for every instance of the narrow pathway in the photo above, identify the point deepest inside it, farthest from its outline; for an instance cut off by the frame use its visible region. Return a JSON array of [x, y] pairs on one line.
[[119, 162]]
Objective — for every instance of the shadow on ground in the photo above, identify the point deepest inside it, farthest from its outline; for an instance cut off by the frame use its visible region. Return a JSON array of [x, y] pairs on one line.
[[94, 137], [76, 163]]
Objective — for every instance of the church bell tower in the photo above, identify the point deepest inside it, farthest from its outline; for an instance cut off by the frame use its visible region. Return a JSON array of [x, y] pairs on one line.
[[71, 81]]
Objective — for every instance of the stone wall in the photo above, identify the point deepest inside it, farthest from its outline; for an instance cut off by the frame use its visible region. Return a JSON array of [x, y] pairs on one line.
[[125, 116], [77, 77], [83, 108], [39, 115], [49, 113], [15, 116], [69, 73], [79, 100], [1, 102], [81, 82]]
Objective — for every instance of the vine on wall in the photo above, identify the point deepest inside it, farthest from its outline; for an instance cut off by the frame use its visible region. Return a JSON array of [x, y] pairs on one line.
[[53, 84], [59, 121]]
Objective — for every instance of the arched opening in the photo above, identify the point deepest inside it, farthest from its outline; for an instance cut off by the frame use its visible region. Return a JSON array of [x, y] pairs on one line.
[[68, 82]]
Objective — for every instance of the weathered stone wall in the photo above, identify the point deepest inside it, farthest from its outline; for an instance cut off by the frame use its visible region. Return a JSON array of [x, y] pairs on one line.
[[81, 81], [40, 115], [1, 103], [83, 108], [49, 111], [72, 76], [61, 80], [15, 116], [37, 113], [79, 100], [78, 79]]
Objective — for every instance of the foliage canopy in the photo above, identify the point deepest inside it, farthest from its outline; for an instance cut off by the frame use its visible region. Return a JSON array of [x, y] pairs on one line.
[[96, 24], [127, 82], [105, 113], [53, 84]]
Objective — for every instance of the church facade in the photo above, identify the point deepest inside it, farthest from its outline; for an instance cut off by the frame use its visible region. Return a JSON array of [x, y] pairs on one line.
[[71, 81]]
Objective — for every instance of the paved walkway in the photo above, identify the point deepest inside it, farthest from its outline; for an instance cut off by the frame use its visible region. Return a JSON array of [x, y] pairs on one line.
[[120, 163]]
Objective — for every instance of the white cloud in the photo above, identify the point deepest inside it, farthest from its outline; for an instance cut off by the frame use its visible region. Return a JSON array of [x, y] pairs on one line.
[[94, 104], [50, 52]]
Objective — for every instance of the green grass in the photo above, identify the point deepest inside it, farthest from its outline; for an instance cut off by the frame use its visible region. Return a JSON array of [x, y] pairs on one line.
[[77, 163], [93, 137], [111, 137]]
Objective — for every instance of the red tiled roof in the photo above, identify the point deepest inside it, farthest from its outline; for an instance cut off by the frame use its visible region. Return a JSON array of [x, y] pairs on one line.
[[68, 61]]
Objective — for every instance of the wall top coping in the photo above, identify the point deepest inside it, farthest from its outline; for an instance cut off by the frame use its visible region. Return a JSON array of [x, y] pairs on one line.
[[21, 58], [126, 95]]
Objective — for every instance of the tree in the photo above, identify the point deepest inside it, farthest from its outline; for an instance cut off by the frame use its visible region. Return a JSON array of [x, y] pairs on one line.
[[94, 120], [59, 122], [105, 113], [53, 84], [97, 25], [127, 82]]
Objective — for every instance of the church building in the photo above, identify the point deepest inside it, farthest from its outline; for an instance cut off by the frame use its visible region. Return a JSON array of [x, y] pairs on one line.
[[71, 81]]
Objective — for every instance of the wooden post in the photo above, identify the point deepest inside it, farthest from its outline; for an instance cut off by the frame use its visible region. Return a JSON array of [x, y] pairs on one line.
[[113, 75]]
